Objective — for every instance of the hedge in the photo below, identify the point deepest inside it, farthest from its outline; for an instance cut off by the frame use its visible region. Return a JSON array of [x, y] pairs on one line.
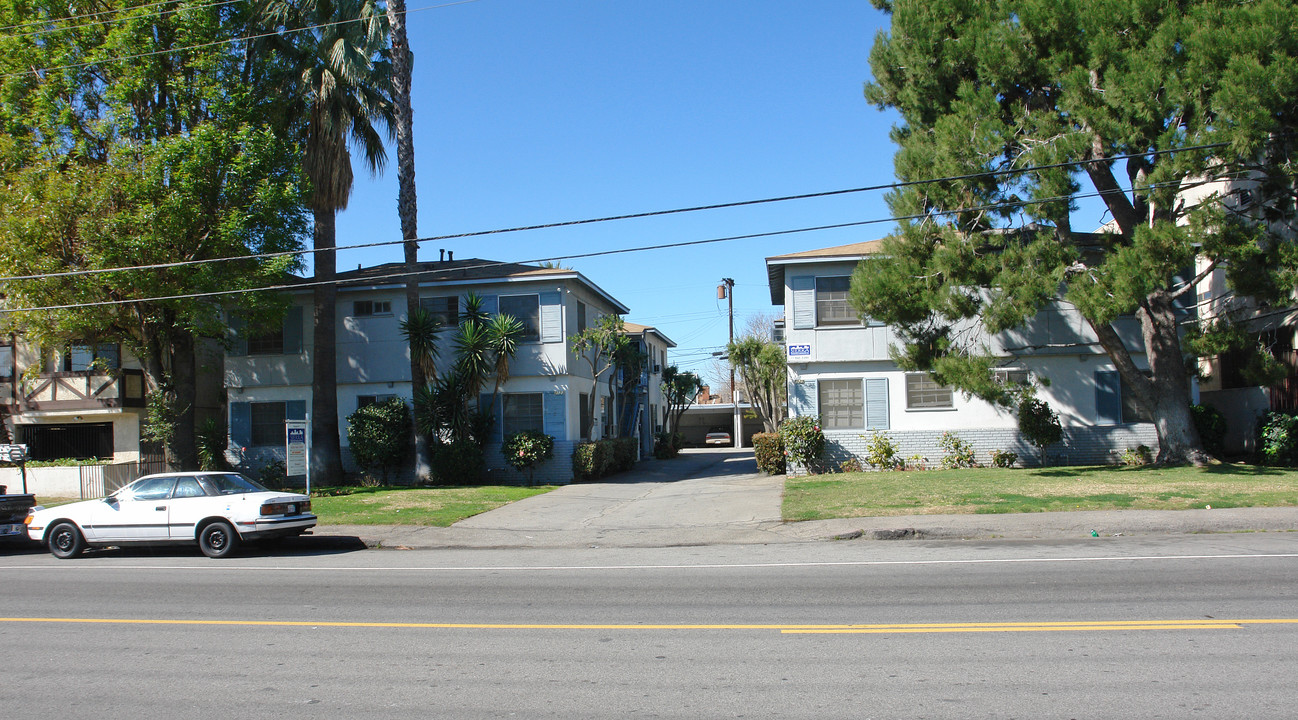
[[769, 451]]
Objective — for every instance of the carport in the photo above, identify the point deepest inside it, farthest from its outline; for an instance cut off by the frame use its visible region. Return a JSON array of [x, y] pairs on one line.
[[698, 419]]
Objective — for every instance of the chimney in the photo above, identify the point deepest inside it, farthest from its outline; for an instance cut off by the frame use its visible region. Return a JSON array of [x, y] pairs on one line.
[[450, 256], [442, 256]]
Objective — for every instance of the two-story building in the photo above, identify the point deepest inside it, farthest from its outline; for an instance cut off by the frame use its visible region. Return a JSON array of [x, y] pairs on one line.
[[840, 370], [642, 412], [268, 375]]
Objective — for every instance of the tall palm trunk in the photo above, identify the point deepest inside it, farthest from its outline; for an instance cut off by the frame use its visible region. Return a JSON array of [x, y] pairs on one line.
[[326, 452], [407, 201]]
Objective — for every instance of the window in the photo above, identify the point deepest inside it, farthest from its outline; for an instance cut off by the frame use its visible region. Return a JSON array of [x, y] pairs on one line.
[[445, 310], [153, 489], [1114, 402], [842, 404], [267, 424], [583, 414], [6, 363], [923, 393], [267, 343], [187, 487], [1010, 376], [79, 357], [581, 316], [527, 308], [523, 411], [832, 307], [366, 400], [366, 308]]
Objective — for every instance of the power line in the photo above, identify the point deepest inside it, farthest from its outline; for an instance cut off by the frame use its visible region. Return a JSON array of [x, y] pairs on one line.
[[643, 248], [640, 215]]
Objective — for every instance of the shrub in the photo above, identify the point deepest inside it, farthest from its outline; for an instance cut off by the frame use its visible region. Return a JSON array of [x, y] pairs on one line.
[[210, 444], [379, 435], [804, 442], [1277, 440], [769, 451], [668, 445], [959, 453], [850, 465], [915, 462], [881, 451], [459, 463], [527, 449], [625, 451], [1039, 424], [1211, 424], [273, 475], [592, 460], [1139, 455], [1004, 458]]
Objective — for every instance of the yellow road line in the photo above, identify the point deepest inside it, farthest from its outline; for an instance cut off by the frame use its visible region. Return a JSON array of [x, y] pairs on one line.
[[888, 628]]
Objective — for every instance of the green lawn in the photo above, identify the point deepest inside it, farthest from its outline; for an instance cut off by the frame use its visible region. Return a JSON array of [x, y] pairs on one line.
[[437, 506], [995, 490]]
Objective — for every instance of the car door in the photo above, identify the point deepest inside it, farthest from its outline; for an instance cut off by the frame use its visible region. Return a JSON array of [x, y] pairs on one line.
[[189, 504], [137, 513]]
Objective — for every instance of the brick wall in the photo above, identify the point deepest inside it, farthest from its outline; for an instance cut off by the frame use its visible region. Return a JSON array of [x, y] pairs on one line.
[[1080, 446]]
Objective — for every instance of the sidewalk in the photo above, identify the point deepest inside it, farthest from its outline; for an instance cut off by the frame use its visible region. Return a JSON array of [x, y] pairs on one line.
[[716, 497]]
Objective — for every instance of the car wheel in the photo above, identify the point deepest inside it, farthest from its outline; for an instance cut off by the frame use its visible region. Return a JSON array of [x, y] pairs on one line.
[[65, 541], [218, 540]]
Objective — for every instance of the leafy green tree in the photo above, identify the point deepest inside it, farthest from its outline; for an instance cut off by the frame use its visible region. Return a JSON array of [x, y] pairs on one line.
[[133, 140], [334, 67], [764, 370], [1153, 100], [1039, 423], [599, 346], [680, 389]]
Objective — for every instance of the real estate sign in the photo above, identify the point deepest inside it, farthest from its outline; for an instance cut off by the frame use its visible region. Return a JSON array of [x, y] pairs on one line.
[[295, 457]]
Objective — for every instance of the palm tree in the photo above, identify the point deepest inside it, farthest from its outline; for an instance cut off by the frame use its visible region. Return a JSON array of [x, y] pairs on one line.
[[504, 333], [407, 205], [342, 89]]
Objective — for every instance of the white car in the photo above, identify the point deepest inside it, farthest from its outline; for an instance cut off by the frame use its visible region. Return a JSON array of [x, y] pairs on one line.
[[218, 510], [717, 436]]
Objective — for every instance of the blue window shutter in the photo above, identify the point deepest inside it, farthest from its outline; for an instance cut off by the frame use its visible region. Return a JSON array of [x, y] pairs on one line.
[[556, 412], [551, 317], [240, 424], [876, 404], [804, 302], [805, 401], [293, 330], [295, 410], [238, 327], [490, 304], [1108, 398], [494, 409]]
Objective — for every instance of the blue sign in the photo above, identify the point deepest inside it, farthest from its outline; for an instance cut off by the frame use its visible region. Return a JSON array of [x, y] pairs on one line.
[[799, 351]]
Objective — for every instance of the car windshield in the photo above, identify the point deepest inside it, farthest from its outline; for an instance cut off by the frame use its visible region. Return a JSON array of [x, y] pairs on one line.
[[232, 483]]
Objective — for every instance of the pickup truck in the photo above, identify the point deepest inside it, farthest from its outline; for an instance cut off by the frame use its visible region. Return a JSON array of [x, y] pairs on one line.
[[13, 510]]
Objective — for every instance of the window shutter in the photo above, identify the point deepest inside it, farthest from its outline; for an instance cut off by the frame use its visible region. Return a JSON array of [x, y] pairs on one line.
[[494, 410], [804, 302], [1108, 398], [240, 424], [551, 317], [238, 328], [490, 304], [293, 330], [876, 404], [804, 399], [295, 410], [556, 412]]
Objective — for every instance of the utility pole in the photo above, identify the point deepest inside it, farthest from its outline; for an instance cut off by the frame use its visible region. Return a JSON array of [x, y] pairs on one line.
[[727, 290]]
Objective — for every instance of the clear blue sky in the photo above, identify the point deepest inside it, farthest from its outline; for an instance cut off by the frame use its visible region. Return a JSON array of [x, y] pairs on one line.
[[531, 112]]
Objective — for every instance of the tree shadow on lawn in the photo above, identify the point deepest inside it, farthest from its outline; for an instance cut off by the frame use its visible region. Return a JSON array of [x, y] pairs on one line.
[[1223, 469]]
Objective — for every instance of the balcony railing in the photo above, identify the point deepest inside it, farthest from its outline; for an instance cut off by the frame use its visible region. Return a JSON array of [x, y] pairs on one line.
[[83, 390]]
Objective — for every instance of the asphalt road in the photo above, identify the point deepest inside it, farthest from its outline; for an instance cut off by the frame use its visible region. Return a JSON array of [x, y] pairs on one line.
[[1131, 627]]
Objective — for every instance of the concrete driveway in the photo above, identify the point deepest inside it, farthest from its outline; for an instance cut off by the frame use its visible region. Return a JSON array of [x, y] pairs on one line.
[[704, 496]]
